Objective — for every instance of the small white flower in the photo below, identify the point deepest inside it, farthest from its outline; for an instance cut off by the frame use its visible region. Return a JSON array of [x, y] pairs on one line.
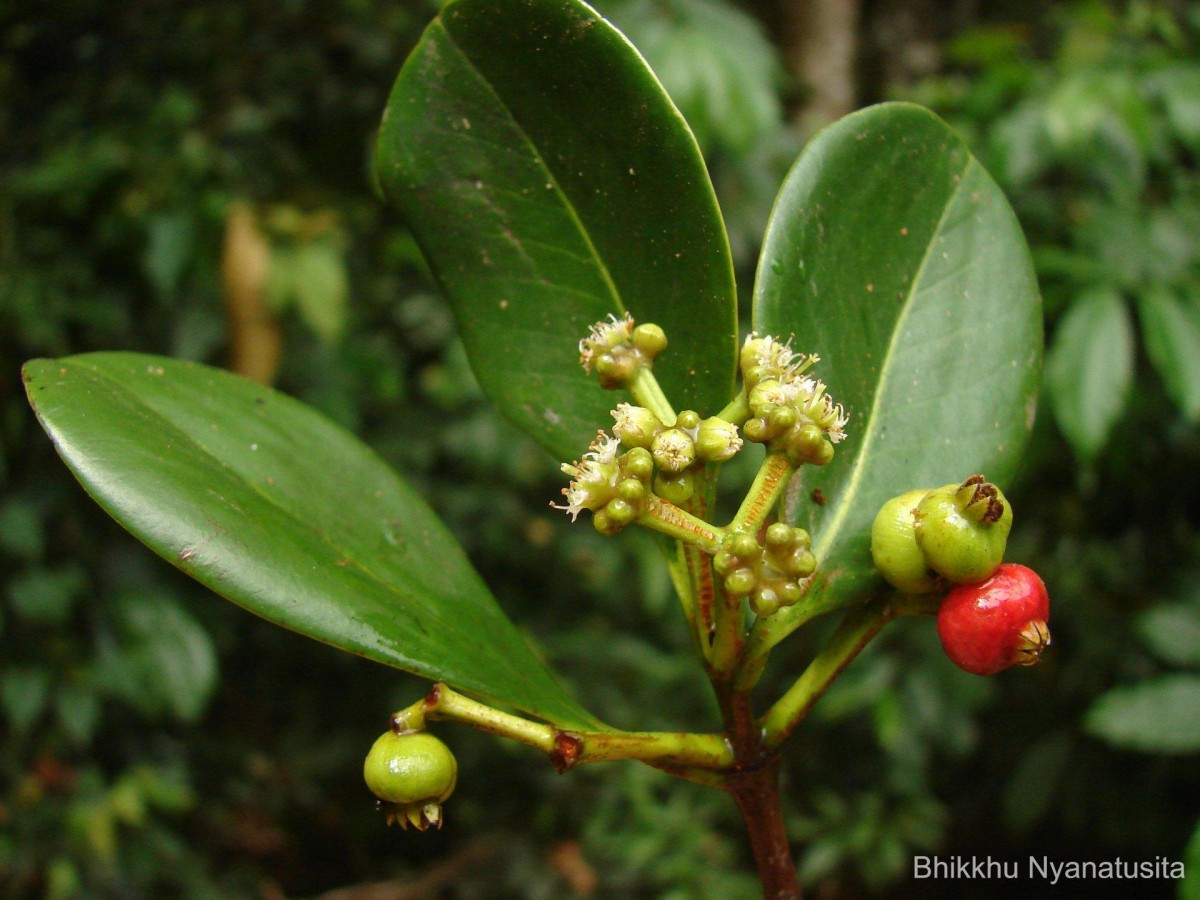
[[819, 407], [778, 358], [603, 336], [594, 478]]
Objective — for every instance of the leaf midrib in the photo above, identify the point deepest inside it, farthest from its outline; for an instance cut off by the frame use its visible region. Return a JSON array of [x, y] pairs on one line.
[[830, 532], [567, 204], [133, 400]]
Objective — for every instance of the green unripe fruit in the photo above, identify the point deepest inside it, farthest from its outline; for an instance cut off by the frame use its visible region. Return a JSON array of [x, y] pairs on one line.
[[414, 773], [894, 545], [688, 419], [962, 529]]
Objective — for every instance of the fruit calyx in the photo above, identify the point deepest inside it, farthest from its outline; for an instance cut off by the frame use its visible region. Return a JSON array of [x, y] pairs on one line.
[[962, 529], [411, 773]]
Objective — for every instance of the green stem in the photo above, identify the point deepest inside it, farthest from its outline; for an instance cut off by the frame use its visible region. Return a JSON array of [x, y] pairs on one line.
[[647, 392], [677, 567], [669, 519], [701, 573], [769, 631], [738, 410], [729, 633], [769, 484], [704, 751], [569, 748], [853, 633], [443, 702]]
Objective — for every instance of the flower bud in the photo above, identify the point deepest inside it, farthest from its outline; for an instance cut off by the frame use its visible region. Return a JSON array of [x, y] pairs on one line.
[[638, 463], [677, 489], [650, 340], [636, 426], [717, 440], [743, 545], [616, 369], [740, 582], [621, 512]]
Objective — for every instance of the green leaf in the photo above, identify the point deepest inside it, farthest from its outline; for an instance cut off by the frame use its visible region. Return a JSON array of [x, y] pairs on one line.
[[46, 595], [165, 659], [716, 63], [1178, 88], [320, 286], [24, 691], [894, 256], [550, 182], [273, 506], [1189, 888], [1172, 632], [78, 711], [1157, 716], [1089, 369], [169, 245], [1171, 331]]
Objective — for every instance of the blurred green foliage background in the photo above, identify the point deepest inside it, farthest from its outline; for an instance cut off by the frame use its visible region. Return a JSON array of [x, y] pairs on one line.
[[193, 179]]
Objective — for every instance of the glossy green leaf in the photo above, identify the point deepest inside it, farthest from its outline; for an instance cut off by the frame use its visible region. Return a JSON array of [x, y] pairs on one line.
[[1171, 331], [1161, 715], [893, 255], [550, 183], [273, 506], [1089, 369]]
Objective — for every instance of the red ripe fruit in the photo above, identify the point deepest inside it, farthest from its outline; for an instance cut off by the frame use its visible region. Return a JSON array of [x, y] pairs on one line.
[[997, 623]]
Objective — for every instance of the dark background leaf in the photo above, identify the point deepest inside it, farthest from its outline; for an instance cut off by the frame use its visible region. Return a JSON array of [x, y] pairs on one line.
[[1160, 715], [1089, 370]]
